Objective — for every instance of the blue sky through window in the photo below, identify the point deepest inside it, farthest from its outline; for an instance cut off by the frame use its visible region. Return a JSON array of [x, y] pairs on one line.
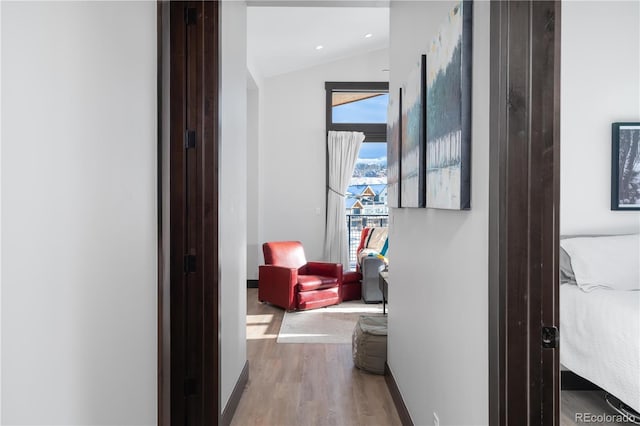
[[373, 150], [371, 110]]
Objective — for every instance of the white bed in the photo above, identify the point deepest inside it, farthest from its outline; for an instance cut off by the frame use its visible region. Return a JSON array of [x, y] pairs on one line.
[[600, 339]]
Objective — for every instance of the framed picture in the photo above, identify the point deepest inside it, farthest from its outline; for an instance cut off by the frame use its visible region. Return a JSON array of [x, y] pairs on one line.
[[625, 166], [412, 141], [394, 124], [449, 112]]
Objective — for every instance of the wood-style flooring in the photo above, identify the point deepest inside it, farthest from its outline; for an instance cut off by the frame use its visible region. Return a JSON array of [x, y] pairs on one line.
[[316, 384], [305, 384], [591, 402]]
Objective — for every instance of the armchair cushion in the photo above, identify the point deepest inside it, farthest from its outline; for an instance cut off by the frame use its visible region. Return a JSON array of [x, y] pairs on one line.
[[322, 268], [315, 282]]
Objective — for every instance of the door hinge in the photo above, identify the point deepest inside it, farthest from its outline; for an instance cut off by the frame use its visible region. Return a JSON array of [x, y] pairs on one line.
[[190, 139], [189, 263], [190, 15], [549, 337], [190, 387]]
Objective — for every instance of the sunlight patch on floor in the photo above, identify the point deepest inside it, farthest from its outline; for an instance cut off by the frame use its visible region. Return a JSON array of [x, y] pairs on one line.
[[259, 319], [258, 327], [259, 336]]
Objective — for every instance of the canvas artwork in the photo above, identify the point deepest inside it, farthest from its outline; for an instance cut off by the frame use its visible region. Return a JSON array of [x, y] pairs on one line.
[[449, 112], [412, 193], [625, 167], [393, 150]]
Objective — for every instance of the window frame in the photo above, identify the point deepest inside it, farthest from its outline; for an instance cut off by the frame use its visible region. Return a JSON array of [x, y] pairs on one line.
[[373, 132]]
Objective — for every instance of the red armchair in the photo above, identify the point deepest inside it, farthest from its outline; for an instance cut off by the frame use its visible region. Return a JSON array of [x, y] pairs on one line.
[[289, 281]]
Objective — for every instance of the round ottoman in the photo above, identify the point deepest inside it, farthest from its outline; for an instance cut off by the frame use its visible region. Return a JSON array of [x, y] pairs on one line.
[[370, 343]]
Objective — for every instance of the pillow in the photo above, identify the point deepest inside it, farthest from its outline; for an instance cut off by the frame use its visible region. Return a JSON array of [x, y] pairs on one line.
[[566, 271], [605, 262]]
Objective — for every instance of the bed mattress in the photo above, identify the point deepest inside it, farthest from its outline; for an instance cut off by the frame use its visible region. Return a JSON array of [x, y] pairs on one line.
[[600, 339]]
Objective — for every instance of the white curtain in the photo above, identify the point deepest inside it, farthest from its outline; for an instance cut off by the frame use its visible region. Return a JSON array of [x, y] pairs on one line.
[[343, 154]]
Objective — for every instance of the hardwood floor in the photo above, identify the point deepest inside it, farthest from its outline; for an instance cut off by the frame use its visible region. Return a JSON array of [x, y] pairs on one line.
[[305, 384], [317, 384], [584, 402]]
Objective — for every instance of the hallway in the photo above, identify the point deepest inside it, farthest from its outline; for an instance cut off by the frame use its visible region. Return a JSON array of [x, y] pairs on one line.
[[305, 384]]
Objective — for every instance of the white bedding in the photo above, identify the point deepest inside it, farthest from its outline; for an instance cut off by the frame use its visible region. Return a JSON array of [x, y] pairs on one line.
[[611, 261], [600, 339]]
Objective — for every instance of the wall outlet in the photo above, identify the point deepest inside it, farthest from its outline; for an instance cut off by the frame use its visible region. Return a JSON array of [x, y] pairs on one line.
[[436, 420]]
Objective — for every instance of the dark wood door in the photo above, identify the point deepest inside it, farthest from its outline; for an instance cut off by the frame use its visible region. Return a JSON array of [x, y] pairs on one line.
[[524, 216], [193, 190]]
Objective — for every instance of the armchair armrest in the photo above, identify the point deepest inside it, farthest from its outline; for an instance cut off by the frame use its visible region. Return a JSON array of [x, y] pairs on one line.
[[325, 269], [276, 285], [371, 267]]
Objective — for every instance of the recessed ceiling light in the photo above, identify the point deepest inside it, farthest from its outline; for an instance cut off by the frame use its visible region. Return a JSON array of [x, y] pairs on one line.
[[368, 35], [319, 47]]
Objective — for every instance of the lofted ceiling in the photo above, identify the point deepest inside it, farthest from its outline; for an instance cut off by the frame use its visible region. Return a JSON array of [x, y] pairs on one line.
[[284, 39]]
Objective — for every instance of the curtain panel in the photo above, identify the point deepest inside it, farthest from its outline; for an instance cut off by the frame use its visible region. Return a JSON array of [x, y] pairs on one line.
[[343, 153]]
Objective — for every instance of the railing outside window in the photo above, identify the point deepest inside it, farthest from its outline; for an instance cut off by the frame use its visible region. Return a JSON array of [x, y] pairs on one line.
[[355, 223]]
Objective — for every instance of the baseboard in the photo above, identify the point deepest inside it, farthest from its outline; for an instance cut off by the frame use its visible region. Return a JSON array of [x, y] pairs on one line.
[[252, 283], [405, 418], [571, 381], [234, 399]]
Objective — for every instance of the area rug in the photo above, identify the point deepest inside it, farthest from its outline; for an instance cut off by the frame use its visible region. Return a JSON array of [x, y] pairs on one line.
[[333, 324]]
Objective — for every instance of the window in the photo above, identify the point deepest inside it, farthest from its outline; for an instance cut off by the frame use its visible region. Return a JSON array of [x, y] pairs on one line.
[[358, 107], [362, 107]]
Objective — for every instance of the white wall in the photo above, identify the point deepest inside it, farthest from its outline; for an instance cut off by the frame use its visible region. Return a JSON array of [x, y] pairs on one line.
[[600, 84], [438, 336], [293, 148], [79, 213], [0, 213], [233, 193], [253, 182]]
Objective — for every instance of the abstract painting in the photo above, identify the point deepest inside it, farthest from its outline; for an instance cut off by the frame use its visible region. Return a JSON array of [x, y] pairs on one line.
[[625, 166], [412, 192], [393, 150], [449, 112]]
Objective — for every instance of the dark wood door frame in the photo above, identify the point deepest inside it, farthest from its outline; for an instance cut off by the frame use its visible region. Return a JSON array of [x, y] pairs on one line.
[[524, 212], [188, 290]]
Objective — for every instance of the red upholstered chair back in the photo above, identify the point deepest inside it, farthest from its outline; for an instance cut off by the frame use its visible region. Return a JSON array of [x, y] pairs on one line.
[[289, 254]]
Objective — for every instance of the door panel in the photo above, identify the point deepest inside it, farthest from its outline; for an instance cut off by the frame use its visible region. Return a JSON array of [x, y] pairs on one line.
[[524, 212], [194, 213], [177, 212], [193, 284]]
